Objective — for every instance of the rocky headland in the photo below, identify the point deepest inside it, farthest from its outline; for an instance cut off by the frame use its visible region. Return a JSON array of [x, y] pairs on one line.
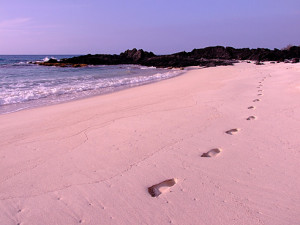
[[207, 57]]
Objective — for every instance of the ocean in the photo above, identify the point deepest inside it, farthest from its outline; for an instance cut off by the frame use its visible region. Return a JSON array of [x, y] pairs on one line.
[[24, 85]]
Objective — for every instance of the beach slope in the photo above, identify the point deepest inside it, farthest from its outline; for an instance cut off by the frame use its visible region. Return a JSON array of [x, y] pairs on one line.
[[214, 146]]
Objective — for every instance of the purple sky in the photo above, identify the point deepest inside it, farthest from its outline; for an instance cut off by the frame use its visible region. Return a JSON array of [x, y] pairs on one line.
[[161, 26]]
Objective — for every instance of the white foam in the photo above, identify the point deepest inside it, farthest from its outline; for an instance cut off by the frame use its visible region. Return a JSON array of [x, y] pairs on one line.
[[147, 67], [46, 59]]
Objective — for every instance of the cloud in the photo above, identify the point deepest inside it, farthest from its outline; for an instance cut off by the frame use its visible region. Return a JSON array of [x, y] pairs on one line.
[[24, 26], [14, 24]]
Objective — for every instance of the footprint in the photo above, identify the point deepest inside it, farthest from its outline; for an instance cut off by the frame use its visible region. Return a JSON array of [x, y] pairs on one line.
[[251, 107], [256, 100], [212, 153], [260, 95], [260, 90], [161, 187], [251, 118], [232, 131]]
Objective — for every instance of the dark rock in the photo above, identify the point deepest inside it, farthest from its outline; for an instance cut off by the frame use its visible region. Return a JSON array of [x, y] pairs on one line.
[[259, 63], [52, 60], [206, 57]]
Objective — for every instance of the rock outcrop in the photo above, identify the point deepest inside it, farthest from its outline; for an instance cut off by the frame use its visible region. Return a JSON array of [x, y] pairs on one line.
[[210, 56]]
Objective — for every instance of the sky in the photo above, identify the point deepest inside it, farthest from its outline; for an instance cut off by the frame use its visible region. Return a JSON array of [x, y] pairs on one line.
[[160, 26]]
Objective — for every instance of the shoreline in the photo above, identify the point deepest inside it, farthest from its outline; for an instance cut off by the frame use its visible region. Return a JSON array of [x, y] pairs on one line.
[[100, 160], [28, 105]]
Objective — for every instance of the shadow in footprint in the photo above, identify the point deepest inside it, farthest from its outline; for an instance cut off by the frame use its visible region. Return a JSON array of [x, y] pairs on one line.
[[232, 131], [256, 100], [212, 153], [251, 118], [161, 187], [251, 107]]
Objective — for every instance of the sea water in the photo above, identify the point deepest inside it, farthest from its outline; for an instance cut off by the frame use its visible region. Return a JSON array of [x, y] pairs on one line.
[[24, 85]]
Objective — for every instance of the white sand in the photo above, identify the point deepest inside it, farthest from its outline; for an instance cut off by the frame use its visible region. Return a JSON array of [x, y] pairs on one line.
[[91, 161]]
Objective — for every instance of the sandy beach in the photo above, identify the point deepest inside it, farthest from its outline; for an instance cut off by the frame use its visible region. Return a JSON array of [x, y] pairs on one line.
[[92, 161]]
